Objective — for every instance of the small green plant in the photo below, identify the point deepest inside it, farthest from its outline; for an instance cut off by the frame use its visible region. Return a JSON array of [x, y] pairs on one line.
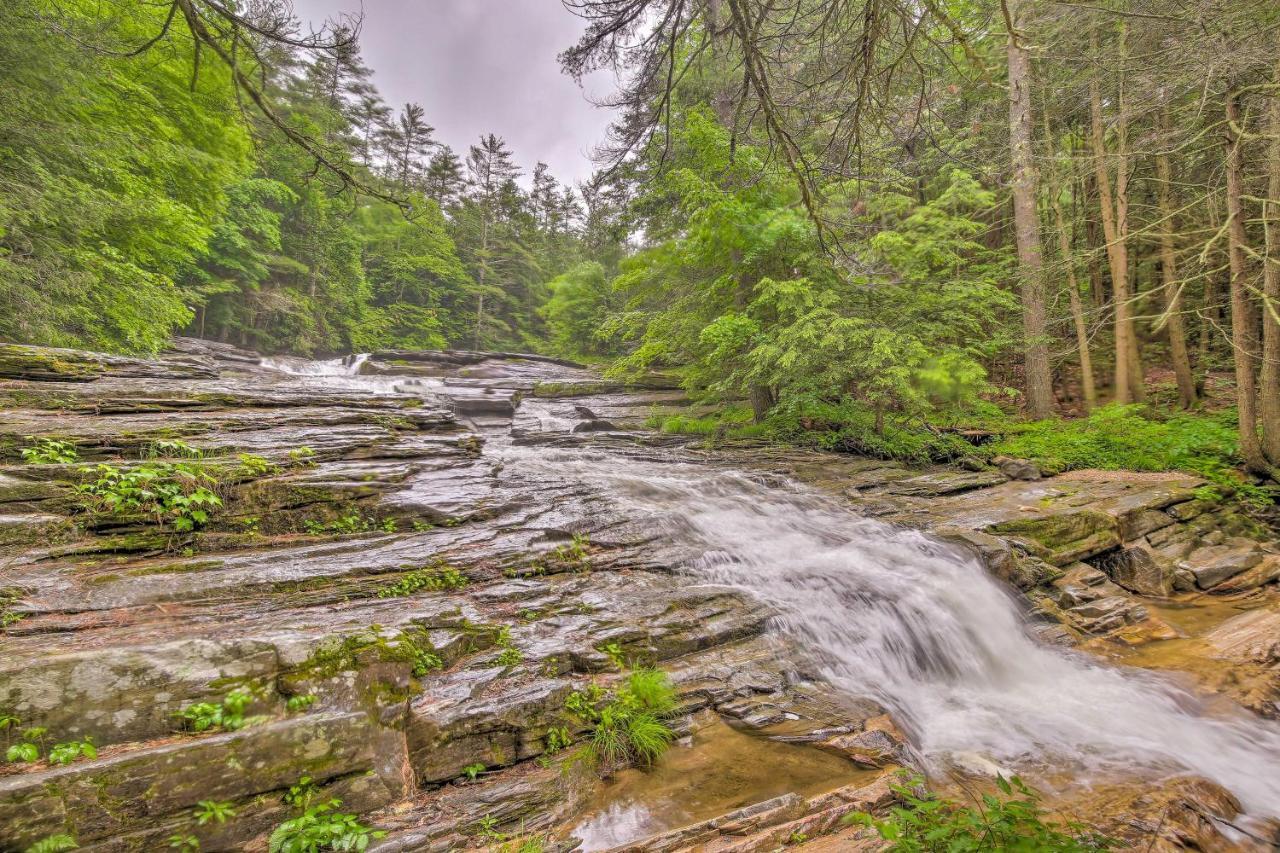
[[487, 827], [212, 811], [558, 739], [179, 493], [389, 525], [302, 455], [301, 793], [471, 771], [437, 577], [614, 653], [575, 555], [50, 451], [353, 523], [172, 449], [509, 657], [54, 844], [425, 661], [184, 843], [228, 716], [629, 725], [926, 823], [65, 753], [253, 465], [797, 837], [297, 704], [322, 827], [422, 526], [27, 750]]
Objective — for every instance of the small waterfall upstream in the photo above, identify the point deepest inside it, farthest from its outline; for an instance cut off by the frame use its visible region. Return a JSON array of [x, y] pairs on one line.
[[918, 625], [346, 366]]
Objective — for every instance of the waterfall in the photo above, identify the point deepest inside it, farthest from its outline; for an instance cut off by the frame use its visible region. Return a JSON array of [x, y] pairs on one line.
[[347, 366], [919, 625]]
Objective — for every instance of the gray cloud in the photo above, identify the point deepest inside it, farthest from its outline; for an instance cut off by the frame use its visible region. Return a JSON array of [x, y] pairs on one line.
[[481, 66]]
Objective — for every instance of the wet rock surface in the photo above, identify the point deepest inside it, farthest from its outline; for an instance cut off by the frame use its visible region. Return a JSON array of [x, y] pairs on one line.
[[320, 578]]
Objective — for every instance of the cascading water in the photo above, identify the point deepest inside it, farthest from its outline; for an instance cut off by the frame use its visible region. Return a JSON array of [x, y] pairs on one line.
[[346, 366], [919, 625]]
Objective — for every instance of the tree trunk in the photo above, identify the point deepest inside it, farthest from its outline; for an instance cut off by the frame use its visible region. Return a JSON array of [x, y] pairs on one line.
[[1114, 231], [1269, 392], [1038, 378], [484, 266], [1169, 278], [1241, 337], [1077, 310]]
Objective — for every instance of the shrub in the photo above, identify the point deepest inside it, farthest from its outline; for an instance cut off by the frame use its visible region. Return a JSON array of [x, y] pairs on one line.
[[926, 823], [50, 451], [180, 493]]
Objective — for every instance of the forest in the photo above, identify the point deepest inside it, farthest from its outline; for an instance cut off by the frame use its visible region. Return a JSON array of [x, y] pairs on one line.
[[861, 224]]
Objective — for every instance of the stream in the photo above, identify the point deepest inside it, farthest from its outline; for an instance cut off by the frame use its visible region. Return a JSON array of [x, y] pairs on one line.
[[912, 622]]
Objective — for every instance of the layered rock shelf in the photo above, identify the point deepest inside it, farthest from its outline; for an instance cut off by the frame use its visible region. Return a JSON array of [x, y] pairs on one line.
[[409, 615]]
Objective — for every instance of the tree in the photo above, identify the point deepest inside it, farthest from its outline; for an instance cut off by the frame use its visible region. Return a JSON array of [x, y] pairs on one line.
[[1039, 381]]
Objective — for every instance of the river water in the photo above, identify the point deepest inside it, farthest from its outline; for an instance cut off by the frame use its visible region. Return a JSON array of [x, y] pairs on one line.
[[919, 625]]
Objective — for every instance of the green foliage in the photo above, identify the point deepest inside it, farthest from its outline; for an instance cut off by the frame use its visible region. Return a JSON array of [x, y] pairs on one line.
[[437, 577], [172, 449], [213, 811], [558, 739], [65, 753], [255, 466], [630, 724], [184, 843], [112, 177], [54, 844], [473, 771], [298, 704], [26, 750], [852, 427], [50, 451], [227, 716], [1139, 439], [322, 827], [1014, 822], [178, 493], [581, 301]]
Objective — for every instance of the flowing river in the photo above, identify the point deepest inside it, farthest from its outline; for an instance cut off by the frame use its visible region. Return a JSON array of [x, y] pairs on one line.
[[913, 622]]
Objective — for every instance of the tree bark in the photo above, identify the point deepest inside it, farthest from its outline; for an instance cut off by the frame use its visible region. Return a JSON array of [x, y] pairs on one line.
[[1241, 337], [1115, 227], [1269, 390], [1038, 377], [1169, 278]]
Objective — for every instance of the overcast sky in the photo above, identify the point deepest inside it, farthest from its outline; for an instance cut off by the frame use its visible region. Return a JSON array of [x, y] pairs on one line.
[[481, 66]]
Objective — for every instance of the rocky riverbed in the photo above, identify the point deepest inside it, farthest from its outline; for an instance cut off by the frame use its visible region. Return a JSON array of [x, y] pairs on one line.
[[419, 557]]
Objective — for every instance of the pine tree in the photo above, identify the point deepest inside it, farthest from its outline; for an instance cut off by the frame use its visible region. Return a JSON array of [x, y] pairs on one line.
[[444, 180], [407, 143]]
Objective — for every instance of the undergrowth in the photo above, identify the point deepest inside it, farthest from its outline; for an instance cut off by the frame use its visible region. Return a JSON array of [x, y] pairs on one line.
[[1115, 437]]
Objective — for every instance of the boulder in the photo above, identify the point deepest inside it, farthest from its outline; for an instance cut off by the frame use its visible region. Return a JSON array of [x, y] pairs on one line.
[[1017, 469], [1214, 564], [1139, 570]]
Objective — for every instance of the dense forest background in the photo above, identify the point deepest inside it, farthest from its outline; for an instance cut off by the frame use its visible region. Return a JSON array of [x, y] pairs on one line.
[[849, 218]]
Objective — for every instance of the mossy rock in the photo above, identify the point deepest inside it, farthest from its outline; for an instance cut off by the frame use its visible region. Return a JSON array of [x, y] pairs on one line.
[[1066, 537]]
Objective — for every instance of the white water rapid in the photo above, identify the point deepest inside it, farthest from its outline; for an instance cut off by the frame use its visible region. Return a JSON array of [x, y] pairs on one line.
[[345, 366], [918, 625]]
